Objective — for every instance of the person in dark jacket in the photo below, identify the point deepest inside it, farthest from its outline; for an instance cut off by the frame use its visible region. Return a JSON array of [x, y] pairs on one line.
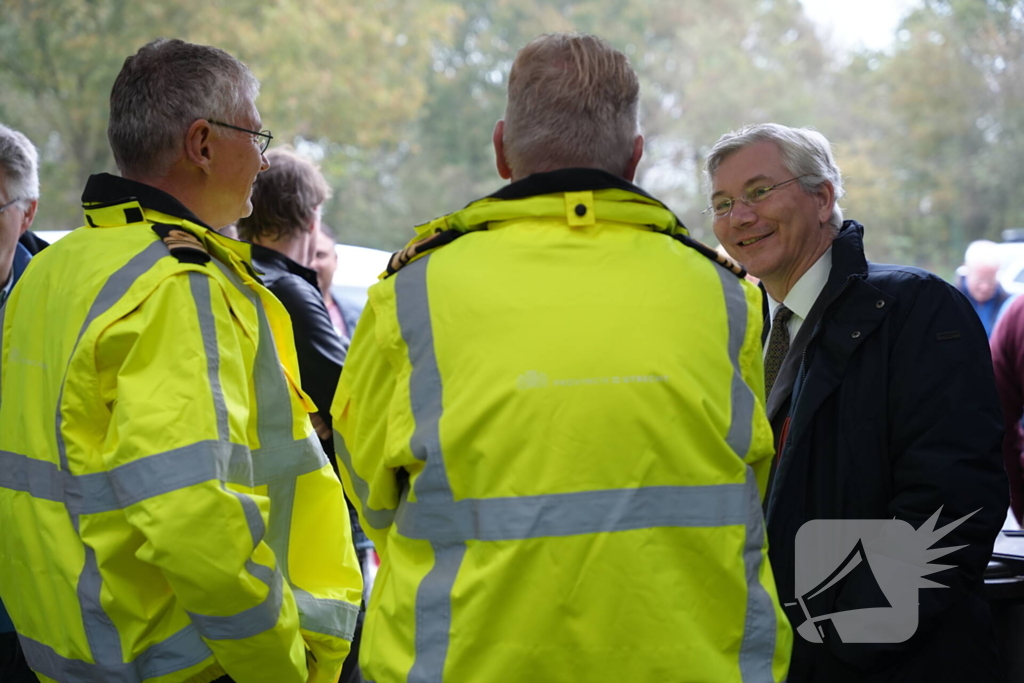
[[980, 284], [881, 395], [283, 228]]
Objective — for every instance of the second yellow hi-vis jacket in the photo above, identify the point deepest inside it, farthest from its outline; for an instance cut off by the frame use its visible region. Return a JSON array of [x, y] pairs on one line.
[[553, 430], [167, 513]]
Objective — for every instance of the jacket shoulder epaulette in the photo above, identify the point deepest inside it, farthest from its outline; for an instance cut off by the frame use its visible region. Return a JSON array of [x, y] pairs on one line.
[[402, 258], [182, 244], [706, 251]]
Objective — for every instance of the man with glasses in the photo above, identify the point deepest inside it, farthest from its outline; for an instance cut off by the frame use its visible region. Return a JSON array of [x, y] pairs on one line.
[[880, 391], [19, 197], [152, 428]]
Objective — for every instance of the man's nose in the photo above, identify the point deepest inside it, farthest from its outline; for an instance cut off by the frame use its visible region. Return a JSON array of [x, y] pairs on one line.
[[741, 214]]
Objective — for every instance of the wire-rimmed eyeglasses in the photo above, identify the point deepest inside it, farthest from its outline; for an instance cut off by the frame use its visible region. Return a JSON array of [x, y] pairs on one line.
[[13, 201], [264, 134], [723, 206]]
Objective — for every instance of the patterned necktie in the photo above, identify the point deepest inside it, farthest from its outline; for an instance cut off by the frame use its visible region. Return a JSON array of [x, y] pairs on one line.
[[778, 347]]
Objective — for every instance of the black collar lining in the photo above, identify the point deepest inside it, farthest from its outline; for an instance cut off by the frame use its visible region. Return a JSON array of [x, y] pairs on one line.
[[104, 190]]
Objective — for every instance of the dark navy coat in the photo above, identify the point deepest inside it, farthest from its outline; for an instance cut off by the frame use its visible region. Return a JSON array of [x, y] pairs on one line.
[[894, 414]]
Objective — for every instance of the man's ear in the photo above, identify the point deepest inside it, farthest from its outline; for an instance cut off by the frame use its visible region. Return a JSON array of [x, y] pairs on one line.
[[197, 145], [826, 197], [634, 160], [504, 170], [29, 216]]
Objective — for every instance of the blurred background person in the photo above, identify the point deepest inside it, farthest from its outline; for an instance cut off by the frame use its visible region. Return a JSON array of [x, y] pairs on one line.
[[979, 282], [19, 198], [343, 311]]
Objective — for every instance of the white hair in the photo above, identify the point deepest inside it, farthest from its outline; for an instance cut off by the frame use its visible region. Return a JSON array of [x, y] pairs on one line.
[[805, 152], [20, 162]]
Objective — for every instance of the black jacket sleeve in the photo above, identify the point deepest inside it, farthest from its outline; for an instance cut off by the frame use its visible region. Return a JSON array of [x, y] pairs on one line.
[[319, 348]]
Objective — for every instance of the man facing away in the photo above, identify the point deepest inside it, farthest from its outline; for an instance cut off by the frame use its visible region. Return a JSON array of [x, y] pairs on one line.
[[558, 494], [162, 495], [883, 404]]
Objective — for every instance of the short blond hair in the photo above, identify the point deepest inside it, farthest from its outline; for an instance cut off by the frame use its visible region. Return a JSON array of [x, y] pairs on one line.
[[572, 102]]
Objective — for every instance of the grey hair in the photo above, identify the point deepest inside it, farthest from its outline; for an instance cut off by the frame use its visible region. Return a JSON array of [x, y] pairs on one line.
[[805, 152], [161, 91], [572, 102], [20, 162]]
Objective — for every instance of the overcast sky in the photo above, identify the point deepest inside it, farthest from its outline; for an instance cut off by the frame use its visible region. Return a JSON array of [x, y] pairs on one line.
[[859, 23]]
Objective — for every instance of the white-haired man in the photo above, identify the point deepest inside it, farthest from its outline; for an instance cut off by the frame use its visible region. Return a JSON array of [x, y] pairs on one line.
[[19, 198], [882, 399], [559, 492], [980, 282], [156, 453]]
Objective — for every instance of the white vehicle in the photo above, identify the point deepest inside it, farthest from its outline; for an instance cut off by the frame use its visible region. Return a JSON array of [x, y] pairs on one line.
[[358, 267]]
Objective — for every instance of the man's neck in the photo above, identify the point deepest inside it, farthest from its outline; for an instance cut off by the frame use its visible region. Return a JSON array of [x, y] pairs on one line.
[[295, 249], [778, 287]]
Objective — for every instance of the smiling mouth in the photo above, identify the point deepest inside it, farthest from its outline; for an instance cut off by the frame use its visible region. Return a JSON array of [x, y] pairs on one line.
[[754, 240]]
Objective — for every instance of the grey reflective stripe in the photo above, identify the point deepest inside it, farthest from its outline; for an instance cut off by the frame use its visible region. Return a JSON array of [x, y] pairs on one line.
[[250, 622], [378, 519], [100, 631], [434, 614], [759, 631], [200, 284], [285, 461], [273, 395], [253, 518], [320, 615], [153, 475], [568, 514], [741, 423], [425, 391], [182, 650], [433, 598], [279, 531]]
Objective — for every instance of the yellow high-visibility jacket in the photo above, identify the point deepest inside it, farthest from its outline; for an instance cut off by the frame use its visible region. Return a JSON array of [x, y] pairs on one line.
[[554, 432], [167, 513]]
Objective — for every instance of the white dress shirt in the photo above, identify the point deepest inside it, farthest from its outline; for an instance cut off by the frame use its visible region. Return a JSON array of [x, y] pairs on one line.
[[803, 295]]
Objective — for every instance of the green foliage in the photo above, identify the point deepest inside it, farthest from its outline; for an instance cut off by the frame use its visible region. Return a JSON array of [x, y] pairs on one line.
[[397, 100]]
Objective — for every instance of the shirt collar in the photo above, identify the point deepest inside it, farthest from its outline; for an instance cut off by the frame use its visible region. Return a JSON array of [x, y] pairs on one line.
[[807, 289]]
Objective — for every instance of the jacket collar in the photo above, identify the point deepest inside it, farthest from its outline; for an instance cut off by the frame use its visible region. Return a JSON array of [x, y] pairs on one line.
[[566, 180], [848, 258], [265, 256], [105, 190]]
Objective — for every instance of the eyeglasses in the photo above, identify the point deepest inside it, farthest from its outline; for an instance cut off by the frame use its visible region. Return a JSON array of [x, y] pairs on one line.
[[723, 206], [13, 201], [265, 134]]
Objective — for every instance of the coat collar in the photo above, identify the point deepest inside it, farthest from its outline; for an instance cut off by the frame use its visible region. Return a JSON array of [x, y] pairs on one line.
[[265, 256], [566, 180], [103, 190], [848, 258]]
